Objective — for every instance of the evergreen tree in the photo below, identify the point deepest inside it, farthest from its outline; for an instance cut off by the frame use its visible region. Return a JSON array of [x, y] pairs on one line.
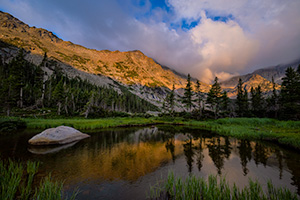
[[187, 98], [290, 95], [7, 100], [214, 97], [241, 100], [224, 104], [59, 95], [169, 101], [272, 101], [257, 102], [198, 95]]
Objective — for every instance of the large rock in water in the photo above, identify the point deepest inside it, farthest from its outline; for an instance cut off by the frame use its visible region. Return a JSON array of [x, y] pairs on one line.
[[58, 135]]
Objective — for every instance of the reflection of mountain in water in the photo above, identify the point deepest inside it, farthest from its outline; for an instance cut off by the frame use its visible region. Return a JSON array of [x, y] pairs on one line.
[[129, 154]]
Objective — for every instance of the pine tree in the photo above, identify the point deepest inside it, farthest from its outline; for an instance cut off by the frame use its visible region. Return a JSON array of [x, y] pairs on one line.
[[59, 95], [198, 95], [187, 98], [272, 101], [214, 97], [241, 100], [224, 104], [257, 102], [290, 95], [169, 101]]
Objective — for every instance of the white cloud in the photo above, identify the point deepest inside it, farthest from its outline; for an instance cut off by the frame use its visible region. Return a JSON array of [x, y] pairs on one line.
[[259, 33], [223, 46], [272, 24], [225, 76]]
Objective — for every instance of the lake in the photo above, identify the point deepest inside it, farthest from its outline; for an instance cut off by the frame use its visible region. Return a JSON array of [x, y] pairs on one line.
[[122, 163]]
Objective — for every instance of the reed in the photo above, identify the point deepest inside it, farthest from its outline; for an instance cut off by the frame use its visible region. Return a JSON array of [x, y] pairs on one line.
[[16, 182], [215, 188]]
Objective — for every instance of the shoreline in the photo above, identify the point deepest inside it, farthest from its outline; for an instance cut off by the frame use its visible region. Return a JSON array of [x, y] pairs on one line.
[[285, 133]]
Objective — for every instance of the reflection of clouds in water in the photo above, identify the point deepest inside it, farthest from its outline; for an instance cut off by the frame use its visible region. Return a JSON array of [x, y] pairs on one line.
[[131, 155]]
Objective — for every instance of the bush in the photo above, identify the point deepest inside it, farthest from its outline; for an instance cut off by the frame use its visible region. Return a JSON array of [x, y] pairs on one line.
[[11, 125]]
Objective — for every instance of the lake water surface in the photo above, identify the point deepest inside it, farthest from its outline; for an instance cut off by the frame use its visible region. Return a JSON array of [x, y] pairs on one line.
[[123, 163]]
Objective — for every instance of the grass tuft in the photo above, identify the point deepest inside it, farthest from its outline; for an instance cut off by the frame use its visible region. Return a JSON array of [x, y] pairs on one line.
[[214, 188], [16, 182]]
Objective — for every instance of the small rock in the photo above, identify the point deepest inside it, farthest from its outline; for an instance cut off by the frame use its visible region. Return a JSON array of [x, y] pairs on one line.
[[58, 135]]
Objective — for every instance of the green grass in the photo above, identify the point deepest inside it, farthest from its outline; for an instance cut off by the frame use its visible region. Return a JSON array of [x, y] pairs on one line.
[[16, 182], [215, 188], [89, 124], [282, 132]]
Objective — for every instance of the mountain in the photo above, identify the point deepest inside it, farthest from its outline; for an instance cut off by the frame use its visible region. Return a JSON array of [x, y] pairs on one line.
[[262, 77], [130, 68], [277, 72], [249, 80], [140, 74]]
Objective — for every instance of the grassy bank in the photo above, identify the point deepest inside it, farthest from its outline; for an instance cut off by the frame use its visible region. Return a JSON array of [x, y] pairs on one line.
[[17, 182], [89, 124], [282, 132], [198, 188]]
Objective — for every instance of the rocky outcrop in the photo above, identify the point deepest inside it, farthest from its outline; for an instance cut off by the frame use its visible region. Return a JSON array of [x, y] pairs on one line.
[[58, 135]]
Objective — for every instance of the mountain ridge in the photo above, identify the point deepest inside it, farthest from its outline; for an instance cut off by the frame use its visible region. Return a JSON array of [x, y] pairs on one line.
[[131, 67]]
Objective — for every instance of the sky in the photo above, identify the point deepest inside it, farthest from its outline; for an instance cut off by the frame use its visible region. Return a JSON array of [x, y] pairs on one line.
[[205, 38]]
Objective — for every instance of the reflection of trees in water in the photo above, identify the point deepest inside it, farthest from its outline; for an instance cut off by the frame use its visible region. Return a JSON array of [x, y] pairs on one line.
[[292, 162], [279, 157], [219, 148], [260, 154], [218, 152], [200, 155], [189, 153], [170, 146], [245, 152]]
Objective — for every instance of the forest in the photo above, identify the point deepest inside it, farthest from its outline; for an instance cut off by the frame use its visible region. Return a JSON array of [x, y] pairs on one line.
[[25, 87], [281, 104]]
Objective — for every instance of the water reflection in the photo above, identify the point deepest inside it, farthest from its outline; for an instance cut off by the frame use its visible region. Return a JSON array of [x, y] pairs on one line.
[[245, 151], [131, 155], [49, 149]]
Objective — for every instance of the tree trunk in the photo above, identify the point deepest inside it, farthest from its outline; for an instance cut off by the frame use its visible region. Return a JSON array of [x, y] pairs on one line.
[[8, 111], [59, 108], [43, 93], [66, 105], [21, 97]]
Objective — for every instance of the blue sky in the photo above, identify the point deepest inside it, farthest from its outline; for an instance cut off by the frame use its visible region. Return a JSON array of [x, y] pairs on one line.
[[205, 38]]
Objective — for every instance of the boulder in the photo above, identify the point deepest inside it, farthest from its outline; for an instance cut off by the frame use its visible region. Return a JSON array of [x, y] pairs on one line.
[[58, 135]]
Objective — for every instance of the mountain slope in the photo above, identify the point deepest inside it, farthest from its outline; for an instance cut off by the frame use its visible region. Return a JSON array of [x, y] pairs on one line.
[[249, 80], [130, 68], [277, 72]]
